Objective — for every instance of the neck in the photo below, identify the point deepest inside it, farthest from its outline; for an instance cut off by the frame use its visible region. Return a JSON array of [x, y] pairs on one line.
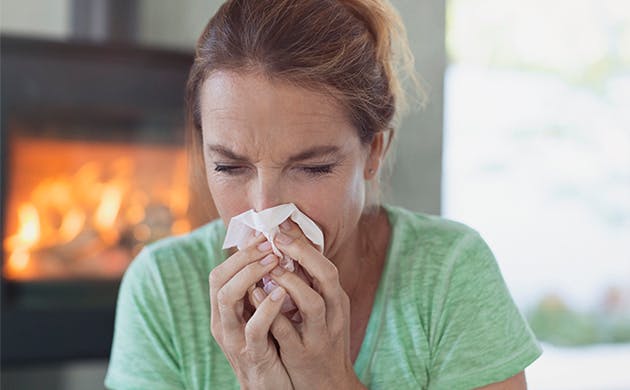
[[362, 251]]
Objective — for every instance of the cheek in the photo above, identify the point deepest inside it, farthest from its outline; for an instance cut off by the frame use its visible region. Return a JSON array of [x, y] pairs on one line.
[[228, 199], [331, 200], [335, 206]]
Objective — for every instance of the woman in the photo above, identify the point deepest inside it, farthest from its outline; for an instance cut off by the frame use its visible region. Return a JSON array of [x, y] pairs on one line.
[[295, 102]]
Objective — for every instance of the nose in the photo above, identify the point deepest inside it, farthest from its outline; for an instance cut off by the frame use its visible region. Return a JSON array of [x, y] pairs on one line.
[[266, 191]]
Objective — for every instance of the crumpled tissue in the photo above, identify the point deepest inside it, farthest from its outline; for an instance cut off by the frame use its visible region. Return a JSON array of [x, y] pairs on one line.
[[243, 226]]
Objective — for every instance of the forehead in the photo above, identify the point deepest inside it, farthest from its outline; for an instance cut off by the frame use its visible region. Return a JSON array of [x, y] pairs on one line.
[[234, 105]]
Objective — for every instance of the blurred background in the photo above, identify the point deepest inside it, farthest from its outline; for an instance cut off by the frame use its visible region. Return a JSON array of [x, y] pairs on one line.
[[537, 158], [526, 138]]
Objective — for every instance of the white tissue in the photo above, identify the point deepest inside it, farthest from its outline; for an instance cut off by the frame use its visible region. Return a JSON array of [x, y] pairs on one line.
[[267, 222], [242, 227]]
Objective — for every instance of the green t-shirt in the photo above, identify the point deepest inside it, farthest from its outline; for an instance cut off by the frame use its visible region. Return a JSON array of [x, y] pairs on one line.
[[442, 317]]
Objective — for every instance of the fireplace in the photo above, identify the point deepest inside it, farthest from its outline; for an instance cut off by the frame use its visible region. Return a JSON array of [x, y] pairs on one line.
[[84, 209], [93, 169]]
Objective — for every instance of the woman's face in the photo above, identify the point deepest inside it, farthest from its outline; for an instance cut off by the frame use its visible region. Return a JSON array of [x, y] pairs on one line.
[[268, 143]]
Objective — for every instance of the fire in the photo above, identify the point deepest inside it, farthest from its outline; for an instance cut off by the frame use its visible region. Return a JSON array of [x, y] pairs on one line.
[[18, 261], [72, 224], [100, 212], [29, 233], [27, 237], [108, 208]]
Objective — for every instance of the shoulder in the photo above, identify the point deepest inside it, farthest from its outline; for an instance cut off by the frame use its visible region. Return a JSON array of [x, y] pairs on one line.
[[432, 253], [428, 253], [429, 235], [474, 331]]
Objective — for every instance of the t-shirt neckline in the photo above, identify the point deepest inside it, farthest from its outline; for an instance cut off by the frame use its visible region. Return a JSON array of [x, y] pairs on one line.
[[375, 320]]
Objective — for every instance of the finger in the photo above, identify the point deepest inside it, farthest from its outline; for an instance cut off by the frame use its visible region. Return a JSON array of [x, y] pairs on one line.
[[253, 236], [285, 333], [289, 338], [311, 305], [258, 327], [293, 243], [250, 292], [249, 307], [227, 269], [223, 272], [299, 271], [230, 296]]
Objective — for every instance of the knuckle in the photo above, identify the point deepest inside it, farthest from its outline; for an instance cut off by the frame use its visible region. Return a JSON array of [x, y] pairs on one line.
[[251, 355], [318, 303], [251, 251], [248, 252], [250, 331], [281, 331], [252, 270], [251, 240], [216, 329], [223, 297], [331, 275], [316, 308], [336, 329], [214, 277]]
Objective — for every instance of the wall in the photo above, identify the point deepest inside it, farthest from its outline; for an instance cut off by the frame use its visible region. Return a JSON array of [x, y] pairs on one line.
[[48, 18], [416, 180]]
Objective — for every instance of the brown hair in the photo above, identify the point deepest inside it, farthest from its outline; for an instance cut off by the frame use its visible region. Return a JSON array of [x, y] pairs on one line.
[[353, 49]]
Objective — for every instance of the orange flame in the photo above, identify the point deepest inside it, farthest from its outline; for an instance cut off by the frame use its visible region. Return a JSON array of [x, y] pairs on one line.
[[102, 199]]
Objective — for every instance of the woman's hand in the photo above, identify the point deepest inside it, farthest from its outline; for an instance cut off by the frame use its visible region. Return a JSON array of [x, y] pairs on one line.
[[242, 335], [316, 351]]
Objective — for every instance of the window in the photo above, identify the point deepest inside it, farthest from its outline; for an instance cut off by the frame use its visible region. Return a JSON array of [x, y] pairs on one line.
[[537, 159]]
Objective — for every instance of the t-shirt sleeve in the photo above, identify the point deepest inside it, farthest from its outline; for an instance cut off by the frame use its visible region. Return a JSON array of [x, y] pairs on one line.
[[480, 337], [143, 355]]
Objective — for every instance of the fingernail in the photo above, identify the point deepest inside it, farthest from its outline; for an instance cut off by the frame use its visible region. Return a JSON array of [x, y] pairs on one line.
[[259, 295], [277, 293], [278, 271], [285, 226], [270, 258], [264, 246], [283, 239]]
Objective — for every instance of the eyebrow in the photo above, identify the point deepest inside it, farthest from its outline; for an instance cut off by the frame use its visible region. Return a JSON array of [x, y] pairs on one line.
[[315, 151]]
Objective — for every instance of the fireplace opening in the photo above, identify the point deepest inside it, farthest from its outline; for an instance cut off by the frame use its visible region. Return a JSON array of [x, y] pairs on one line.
[[84, 209]]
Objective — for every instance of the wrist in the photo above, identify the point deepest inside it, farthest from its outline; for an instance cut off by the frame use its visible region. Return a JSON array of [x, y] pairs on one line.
[[352, 381], [357, 385]]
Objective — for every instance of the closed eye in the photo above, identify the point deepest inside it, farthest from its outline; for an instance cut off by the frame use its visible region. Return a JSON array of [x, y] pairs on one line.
[[229, 169], [318, 170]]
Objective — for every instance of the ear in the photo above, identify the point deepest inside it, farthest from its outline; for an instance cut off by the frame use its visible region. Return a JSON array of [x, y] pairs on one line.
[[377, 150]]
